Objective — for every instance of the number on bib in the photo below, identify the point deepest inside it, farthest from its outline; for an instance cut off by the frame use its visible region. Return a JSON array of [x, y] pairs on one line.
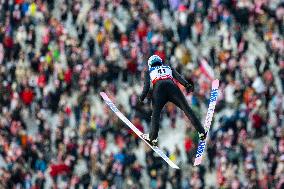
[[161, 71]]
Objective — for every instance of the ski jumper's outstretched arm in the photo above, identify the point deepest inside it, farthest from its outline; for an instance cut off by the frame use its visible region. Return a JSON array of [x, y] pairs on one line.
[[177, 76], [146, 85]]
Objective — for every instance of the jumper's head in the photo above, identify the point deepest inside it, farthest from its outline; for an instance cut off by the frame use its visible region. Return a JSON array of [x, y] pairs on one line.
[[155, 60]]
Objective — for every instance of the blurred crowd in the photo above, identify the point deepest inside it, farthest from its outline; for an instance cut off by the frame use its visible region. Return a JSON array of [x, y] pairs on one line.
[[56, 56]]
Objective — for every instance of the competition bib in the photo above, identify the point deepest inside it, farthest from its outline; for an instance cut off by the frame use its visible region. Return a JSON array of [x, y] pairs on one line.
[[160, 73]]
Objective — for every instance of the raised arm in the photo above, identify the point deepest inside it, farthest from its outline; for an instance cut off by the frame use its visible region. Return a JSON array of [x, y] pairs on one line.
[[146, 85]]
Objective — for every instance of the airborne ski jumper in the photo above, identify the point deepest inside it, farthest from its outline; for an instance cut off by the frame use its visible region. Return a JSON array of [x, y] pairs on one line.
[[165, 90]]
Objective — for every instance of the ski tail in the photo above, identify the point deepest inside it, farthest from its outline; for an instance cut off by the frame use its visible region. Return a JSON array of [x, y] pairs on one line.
[[208, 119]]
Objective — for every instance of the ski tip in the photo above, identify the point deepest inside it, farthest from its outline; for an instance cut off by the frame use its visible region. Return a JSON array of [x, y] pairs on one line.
[[215, 83], [197, 161], [104, 95], [196, 164]]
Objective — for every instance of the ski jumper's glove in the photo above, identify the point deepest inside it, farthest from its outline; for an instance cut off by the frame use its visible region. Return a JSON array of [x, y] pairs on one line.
[[140, 102], [189, 87]]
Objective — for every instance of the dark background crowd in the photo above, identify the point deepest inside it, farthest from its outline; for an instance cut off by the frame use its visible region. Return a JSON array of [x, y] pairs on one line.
[[56, 56]]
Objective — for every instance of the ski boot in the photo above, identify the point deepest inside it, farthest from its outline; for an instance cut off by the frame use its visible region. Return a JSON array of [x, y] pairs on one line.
[[147, 138], [202, 136]]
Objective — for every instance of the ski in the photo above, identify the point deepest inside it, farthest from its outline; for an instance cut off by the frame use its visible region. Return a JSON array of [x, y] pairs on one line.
[[208, 119], [133, 128]]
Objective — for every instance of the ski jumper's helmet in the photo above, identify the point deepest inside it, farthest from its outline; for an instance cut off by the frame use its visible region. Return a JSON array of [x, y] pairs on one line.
[[155, 60]]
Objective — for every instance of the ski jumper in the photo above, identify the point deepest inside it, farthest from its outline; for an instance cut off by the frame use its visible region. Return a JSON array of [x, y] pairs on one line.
[[165, 90]]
